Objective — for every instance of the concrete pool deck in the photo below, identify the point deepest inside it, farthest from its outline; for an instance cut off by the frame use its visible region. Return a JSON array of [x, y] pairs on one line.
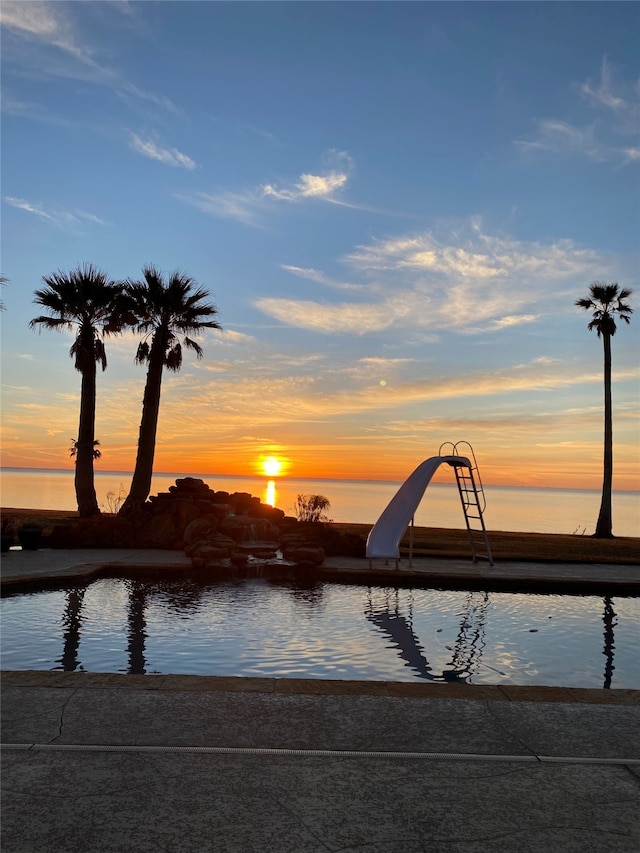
[[121, 763], [47, 565], [111, 762]]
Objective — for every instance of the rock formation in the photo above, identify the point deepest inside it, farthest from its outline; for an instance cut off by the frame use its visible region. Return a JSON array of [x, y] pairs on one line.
[[214, 528]]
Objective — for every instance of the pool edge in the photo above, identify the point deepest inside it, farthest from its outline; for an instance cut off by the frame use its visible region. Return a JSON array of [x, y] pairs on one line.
[[318, 687]]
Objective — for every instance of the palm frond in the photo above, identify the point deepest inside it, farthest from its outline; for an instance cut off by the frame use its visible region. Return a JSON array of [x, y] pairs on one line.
[[606, 302], [167, 308], [173, 359], [50, 323], [193, 345], [73, 450], [101, 355], [142, 353]]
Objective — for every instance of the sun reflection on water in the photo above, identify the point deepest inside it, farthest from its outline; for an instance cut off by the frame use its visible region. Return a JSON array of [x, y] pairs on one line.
[[270, 494]]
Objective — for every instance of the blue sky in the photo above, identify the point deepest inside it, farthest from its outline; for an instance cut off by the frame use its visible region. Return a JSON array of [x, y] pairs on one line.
[[393, 205]]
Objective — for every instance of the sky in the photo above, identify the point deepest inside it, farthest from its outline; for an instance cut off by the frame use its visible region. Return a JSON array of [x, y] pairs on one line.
[[393, 206]]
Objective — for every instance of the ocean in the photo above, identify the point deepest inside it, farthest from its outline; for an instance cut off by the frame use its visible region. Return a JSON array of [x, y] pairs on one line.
[[531, 510]]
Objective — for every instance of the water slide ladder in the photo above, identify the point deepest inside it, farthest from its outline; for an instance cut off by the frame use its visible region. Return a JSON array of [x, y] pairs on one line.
[[384, 538], [472, 498]]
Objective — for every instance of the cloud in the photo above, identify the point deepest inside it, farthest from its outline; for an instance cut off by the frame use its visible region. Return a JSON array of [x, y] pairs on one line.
[[229, 338], [168, 156], [343, 318], [39, 26], [247, 398], [385, 362], [247, 205], [375, 369], [326, 186], [556, 136], [521, 378], [321, 278], [470, 282], [616, 114], [243, 206], [478, 256], [39, 20], [508, 322], [55, 215], [309, 186], [602, 95], [36, 112]]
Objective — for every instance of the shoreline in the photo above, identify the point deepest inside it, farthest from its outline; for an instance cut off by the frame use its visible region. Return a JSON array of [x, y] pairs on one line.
[[441, 542]]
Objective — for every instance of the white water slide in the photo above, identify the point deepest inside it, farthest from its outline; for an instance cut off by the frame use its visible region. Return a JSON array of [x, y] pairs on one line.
[[384, 538]]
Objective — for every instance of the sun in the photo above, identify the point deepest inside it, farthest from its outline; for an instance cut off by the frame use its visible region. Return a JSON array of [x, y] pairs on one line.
[[271, 466]]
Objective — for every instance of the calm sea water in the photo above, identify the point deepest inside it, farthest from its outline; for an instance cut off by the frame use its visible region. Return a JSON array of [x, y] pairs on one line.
[[516, 509], [324, 630]]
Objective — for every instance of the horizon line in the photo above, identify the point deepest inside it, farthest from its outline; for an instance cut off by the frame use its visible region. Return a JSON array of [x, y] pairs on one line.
[[285, 478]]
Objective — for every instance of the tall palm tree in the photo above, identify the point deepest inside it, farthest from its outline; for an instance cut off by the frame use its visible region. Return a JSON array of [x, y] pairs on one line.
[[85, 300], [606, 301], [161, 311]]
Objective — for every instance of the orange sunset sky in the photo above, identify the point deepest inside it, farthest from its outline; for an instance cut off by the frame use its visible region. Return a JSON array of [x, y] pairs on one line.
[[394, 207]]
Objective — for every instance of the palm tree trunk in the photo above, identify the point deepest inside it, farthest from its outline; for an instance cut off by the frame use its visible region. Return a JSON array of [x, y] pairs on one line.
[[604, 525], [143, 472], [136, 635], [608, 620], [84, 482], [72, 622]]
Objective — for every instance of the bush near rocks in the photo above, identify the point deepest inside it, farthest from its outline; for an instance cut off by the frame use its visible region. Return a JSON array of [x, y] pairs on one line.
[[214, 528]]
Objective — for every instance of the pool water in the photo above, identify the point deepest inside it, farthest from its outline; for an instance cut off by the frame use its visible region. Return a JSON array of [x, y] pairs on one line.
[[324, 630]]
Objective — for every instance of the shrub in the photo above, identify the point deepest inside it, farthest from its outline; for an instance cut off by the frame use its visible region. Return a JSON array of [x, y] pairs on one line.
[[312, 508], [114, 501]]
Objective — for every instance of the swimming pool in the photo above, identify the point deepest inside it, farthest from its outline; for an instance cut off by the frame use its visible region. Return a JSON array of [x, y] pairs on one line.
[[323, 630]]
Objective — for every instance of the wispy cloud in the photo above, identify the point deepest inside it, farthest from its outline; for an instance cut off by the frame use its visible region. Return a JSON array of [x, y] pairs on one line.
[[375, 369], [259, 400], [247, 205], [601, 94], [557, 136], [309, 186], [513, 320], [36, 112], [45, 22], [168, 156], [616, 114], [323, 186], [520, 378], [244, 206], [38, 26], [55, 215], [469, 282], [478, 257], [230, 337], [320, 278], [357, 318]]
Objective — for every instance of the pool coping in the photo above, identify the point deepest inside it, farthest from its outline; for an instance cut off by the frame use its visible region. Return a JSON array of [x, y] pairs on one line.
[[23, 569], [316, 687]]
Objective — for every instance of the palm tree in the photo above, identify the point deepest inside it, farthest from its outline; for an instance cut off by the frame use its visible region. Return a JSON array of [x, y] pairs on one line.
[[161, 311], [606, 300], [85, 300]]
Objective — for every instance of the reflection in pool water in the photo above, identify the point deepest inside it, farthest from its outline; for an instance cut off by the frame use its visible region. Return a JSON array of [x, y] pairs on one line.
[[321, 630]]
